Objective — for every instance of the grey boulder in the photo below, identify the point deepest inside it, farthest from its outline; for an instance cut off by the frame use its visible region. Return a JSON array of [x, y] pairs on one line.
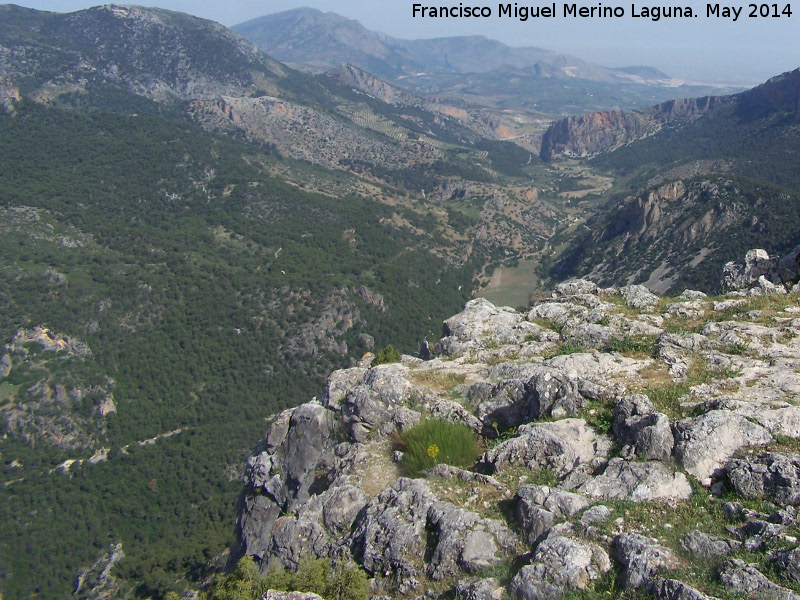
[[787, 564], [567, 447], [738, 577], [463, 540], [573, 287], [742, 273], [641, 559], [481, 589], [638, 296], [389, 535], [539, 507], [544, 392], [637, 482], [772, 475], [560, 563], [641, 431], [708, 546], [671, 589], [705, 443]]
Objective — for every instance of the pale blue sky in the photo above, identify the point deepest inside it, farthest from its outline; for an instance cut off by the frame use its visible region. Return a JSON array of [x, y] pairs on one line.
[[746, 51]]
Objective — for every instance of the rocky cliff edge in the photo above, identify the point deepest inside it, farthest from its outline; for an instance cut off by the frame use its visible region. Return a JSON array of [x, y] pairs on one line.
[[628, 441]]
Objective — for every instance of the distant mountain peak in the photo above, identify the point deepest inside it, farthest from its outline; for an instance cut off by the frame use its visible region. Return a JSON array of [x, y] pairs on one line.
[[318, 41]]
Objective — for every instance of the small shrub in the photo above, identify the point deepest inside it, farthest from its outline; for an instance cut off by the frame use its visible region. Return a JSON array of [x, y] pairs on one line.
[[492, 344], [434, 442], [545, 324], [244, 583], [346, 582], [600, 415], [312, 576], [737, 349], [387, 355], [667, 398]]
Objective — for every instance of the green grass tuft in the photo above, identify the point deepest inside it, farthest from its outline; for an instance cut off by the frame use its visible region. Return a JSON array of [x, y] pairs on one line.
[[565, 348], [639, 345], [434, 442]]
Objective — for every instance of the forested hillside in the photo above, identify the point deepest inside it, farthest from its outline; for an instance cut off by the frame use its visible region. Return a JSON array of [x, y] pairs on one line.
[[209, 295]]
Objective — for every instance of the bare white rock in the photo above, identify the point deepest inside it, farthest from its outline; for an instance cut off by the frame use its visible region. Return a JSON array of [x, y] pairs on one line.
[[637, 482]]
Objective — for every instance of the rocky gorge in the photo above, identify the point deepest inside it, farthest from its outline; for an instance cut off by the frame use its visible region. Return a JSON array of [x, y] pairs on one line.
[[630, 443]]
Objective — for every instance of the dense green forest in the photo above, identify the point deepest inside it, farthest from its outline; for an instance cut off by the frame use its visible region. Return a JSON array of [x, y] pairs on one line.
[[187, 271]]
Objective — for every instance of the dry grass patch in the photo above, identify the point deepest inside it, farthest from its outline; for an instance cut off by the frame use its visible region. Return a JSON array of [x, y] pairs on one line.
[[438, 381], [668, 394], [770, 305], [478, 497], [654, 375], [683, 325], [382, 472]]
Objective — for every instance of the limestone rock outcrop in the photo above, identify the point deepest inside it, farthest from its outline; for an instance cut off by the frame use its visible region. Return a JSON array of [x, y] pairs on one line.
[[648, 418], [760, 273]]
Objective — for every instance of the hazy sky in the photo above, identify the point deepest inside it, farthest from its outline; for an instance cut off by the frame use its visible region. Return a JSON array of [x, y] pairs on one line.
[[748, 50]]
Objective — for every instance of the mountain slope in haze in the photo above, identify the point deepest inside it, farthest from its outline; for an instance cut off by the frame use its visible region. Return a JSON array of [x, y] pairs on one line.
[[479, 70], [306, 36], [697, 188], [479, 54], [127, 55]]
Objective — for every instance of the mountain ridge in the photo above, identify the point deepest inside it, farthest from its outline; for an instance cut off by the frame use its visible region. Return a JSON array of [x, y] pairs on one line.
[[477, 69], [577, 136], [286, 35]]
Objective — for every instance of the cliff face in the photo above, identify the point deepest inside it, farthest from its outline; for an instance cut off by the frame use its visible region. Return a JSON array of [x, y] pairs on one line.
[[600, 132], [604, 131], [590, 414], [681, 233]]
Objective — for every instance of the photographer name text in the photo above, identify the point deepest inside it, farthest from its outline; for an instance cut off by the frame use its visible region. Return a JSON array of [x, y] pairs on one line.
[[600, 11]]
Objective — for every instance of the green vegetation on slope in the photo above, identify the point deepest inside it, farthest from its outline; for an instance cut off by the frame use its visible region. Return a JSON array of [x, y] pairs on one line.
[[188, 272]]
